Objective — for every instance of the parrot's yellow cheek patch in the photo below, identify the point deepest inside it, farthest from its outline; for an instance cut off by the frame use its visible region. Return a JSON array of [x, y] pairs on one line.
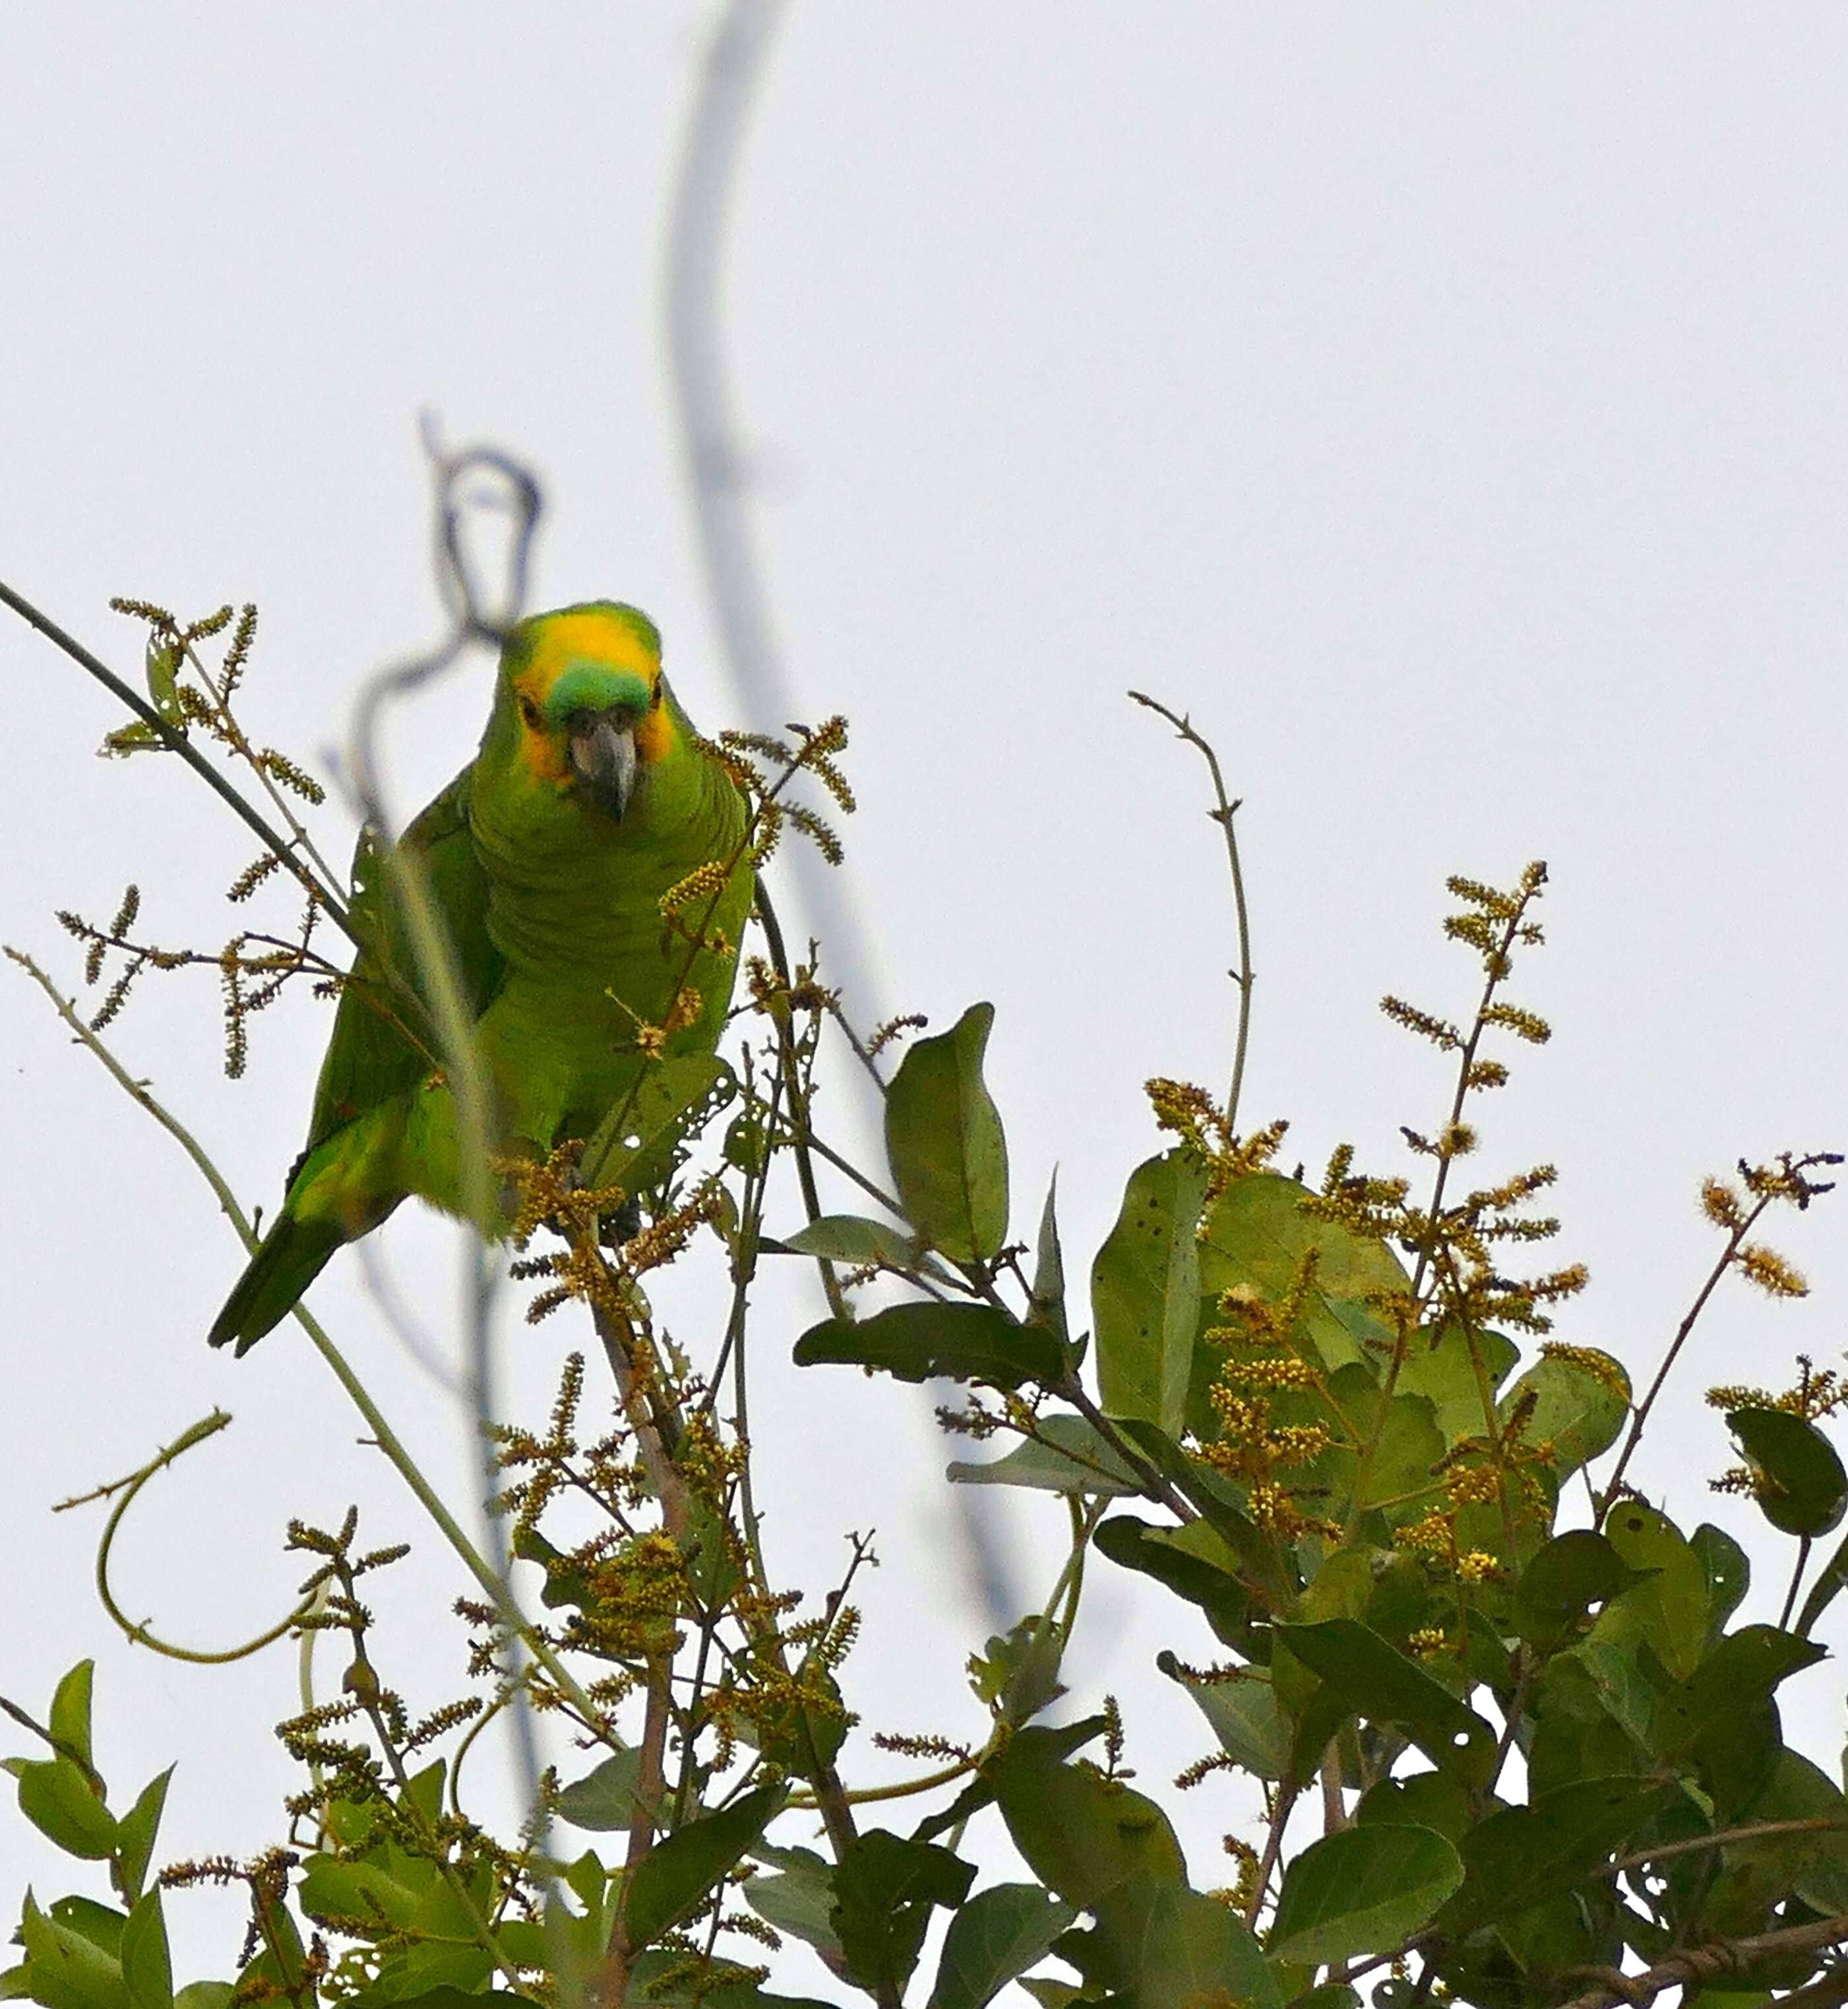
[[654, 736]]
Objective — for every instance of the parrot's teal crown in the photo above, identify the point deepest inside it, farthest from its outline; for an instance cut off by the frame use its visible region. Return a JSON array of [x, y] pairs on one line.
[[595, 686]]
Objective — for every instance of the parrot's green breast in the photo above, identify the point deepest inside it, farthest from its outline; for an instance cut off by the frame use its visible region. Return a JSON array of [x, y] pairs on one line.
[[550, 858]]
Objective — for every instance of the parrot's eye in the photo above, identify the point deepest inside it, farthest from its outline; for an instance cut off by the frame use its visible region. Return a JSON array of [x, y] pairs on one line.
[[654, 703], [529, 712]]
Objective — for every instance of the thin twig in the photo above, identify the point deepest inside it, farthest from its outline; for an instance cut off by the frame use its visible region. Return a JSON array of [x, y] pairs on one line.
[[1223, 814], [176, 741]]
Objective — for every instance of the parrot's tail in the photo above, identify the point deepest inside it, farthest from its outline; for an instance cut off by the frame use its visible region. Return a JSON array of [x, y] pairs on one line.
[[293, 1254]]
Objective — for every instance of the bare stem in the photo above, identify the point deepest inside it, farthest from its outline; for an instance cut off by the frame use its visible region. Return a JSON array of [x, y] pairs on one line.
[[1222, 814]]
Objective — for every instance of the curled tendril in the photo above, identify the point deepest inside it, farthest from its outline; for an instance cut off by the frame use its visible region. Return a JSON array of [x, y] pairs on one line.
[[207, 1427]]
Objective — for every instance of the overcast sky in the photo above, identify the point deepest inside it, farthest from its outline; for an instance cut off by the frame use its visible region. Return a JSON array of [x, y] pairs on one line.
[[1444, 404]]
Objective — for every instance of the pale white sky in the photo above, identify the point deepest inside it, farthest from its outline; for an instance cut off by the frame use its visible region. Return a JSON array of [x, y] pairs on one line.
[[1444, 404]]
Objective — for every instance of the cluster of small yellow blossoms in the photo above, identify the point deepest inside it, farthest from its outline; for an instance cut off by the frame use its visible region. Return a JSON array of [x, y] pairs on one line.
[[1252, 1445], [1190, 1113], [1433, 1538]]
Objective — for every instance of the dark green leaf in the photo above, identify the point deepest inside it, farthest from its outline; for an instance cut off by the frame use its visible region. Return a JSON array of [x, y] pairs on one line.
[[135, 1836], [677, 1872], [1252, 1730], [146, 1966], [798, 1900], [1562, 1582], [603, 1801], [1745, 1667], [1670, 1610], [1145, 1293], [1377, 1682], [1173, 1557], [1047, 1306], [668, 1980], [1073, 1459], [851, 1239], [1578, 1411], [1330, 1995], [1520, 1856], [1729, 1574], [998, 1934], [1801, 1487], [944, 1138], [1427, 1799], [1209, 1496], [61, 1803], [1051, 1745], [920, 1342], [1831, 1580], [1180, 1949], [1080, 1834], [885, 1889], [1362, 1890]]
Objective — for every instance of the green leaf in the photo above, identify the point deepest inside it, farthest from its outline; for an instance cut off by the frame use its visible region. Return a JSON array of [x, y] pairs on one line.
[[146, 1966], [137, 737], [1050, 1744], [1562, 1582], [997, 1934], [1080, 1834], [1377, 1682], [676, 1874], [220, 1995], [1577, 1411], [1362, 1890], [852, 1238], [1173, 1557], [1745, 1667], [1801, 1487], [1180, 1949], [135, 1836], [1019, 1674], [944, 1138], [634, 1146], [1257, 1234], [1759, 1875], [1400, 1481], [1426, 1799], [1670, 1610], [1444, 1372], [1073, 1459], [1520, 1856], [1729, 1574], [164, 660], [68, 1969], [603, 1801], [1047, 1305], [885, 1889], [1145, 1293], [1830, 1579], [1252, 1729], [919, 1342], [799, 1900], [61, 1803], [70, 1715]]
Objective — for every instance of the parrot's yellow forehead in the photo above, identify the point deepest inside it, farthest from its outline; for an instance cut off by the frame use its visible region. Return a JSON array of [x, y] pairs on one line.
[[582, 635], [569, 648]]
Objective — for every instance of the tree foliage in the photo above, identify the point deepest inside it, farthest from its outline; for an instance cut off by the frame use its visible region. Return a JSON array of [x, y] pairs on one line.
[[1515, 1729]]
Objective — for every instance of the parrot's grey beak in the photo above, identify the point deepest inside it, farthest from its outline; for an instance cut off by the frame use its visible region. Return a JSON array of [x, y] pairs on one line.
[[603, 757]]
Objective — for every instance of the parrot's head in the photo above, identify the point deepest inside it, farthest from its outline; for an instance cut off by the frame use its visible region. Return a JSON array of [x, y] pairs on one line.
[[583, 687]]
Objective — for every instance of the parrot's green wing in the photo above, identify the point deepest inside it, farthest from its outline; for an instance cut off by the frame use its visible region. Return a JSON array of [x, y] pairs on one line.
[[382, 1042], [382, 1047]]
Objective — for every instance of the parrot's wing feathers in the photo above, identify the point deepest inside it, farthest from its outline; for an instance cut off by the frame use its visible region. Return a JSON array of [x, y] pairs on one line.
[[382, 1044]]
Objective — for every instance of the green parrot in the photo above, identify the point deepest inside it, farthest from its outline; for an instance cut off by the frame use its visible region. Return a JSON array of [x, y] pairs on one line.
[[547, 857]]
